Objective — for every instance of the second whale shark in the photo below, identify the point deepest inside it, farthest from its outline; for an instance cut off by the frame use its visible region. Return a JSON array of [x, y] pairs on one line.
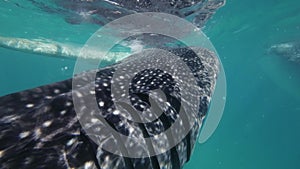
[[289, 50]]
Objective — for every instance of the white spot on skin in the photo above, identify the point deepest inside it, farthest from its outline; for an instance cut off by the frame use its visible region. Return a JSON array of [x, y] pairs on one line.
[[79, 94], [93, 120], [47, 123], [63, 112], [37, 133], [24, 134], [106, 158], [48, 97], [76, 133], [68, 104], [116, 112], [27, 160], [101, 104], [105, 84], [88, 164], [168, 104], [29, 105], [131, 130], [70, 142], [56, 91], [97, 129], [1, 153]]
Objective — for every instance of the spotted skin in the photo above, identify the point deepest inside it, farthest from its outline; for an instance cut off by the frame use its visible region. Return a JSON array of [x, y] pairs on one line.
[[103, 11], [40, 129]]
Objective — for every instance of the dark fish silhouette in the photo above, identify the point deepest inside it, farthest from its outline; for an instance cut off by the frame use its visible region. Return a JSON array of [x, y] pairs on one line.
[[103, 11], [39, 127]]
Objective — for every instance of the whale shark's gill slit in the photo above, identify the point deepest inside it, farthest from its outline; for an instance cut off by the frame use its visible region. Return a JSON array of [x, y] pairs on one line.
[[122, 147], [92, 146], [153, 159], [174, 154], [186, 124], [166, 121], [188, 147], [167, 124]]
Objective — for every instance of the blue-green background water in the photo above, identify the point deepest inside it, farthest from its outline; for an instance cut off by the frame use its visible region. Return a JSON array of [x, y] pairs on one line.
[[261, 122]]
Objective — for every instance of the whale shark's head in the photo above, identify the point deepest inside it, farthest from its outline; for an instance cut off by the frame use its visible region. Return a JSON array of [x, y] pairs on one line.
[[184, 97]]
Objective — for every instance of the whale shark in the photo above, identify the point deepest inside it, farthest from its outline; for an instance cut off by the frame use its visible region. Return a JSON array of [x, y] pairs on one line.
[[289, 50], [41, 129], [101, 12]]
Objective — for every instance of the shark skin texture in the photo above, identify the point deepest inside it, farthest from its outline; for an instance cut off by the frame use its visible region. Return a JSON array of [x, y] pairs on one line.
[[40, 128]]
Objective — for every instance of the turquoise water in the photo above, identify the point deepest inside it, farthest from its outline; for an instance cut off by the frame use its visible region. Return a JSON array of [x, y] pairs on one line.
[[260, 125], [259, 128]]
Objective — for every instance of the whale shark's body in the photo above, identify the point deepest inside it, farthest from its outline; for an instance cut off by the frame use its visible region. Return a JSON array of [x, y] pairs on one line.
[[289, 50], [39, 127]]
